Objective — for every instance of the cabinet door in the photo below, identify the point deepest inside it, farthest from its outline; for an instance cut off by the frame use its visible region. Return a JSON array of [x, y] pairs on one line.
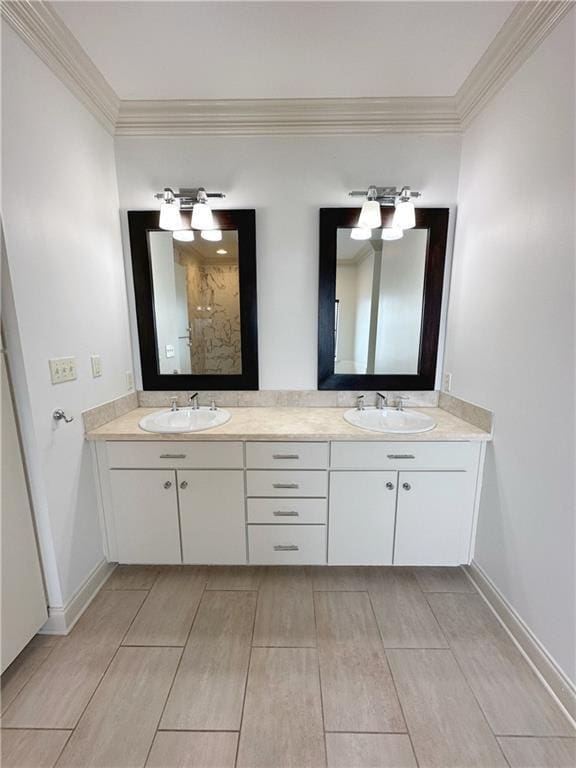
[[361, 518], [145, 516], [434, 519], [212, 516]]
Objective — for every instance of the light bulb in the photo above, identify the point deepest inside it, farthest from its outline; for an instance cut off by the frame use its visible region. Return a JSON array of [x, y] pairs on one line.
[[221, 252], [213, 235], [370, 216], [184, 235], [202, 216], [361, 233], [405, 215], [170, 215], [392, 233]]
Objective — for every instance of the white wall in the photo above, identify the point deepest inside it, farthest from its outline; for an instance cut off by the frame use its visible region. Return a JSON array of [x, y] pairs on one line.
[[60, 212], [400, 305], [511, 339], [166, 305], [286, 180]]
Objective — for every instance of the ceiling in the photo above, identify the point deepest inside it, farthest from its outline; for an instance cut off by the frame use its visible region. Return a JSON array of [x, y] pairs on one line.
[[260, 50]]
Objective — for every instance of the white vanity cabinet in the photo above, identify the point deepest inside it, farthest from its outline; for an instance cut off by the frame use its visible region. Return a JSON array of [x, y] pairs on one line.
[[402, 503], [145, 512], [289, 503], [173, 502]]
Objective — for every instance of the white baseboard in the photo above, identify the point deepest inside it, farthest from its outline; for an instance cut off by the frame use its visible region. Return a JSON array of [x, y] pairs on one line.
[[561, 687], [61, 620]]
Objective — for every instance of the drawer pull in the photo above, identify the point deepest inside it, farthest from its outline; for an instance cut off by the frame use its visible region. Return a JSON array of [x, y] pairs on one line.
[[285, 456], [406, 486], [286, 548], [401, 456], [390, 486], [285, 485], [167, 484], [172, 455], [282, 513], [184, 485]]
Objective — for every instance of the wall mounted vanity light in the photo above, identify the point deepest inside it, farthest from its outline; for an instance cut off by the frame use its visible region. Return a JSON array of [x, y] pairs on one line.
[[173, 207], [371, 216]]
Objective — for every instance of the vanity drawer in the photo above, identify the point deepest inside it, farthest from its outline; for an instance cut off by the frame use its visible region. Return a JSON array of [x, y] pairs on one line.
[[269, 482], [287, 455], [404, 455], [287, 544], [282, 511], [198, 454]]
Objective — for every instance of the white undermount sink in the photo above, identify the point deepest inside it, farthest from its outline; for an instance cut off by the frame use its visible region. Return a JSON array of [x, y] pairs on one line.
[[184, 420], [390, 420]]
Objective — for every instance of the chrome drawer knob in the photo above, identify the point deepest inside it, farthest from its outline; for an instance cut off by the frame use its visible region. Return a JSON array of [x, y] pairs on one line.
[[406, 486], [390, 486], [184, 484], [167, 484]]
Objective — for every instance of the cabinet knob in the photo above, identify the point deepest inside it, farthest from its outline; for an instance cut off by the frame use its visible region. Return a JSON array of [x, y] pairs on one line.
[[184, 484], [167, 484], [390, 486], [406, 486]]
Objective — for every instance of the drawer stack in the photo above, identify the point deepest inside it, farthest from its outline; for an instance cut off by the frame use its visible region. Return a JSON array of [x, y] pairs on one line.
[[287, 505]]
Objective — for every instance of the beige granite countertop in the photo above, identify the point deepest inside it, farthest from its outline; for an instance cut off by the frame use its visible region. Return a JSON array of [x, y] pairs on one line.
[[280, 423]]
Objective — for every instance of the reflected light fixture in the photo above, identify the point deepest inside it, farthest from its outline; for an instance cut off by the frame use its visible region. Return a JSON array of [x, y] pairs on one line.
[[370, 216], [392, 233], [221, 252], [392, 197], [361, 233], [194, 199], [213, 235], [184, 235]]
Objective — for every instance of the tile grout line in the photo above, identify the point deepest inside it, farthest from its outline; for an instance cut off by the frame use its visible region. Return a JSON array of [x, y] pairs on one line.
[[451, 651], [50, 652], [247, 672], [394, 683], [157, 729], [320, 678]]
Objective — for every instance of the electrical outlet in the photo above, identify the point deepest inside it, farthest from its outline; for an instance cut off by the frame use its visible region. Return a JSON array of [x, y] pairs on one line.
[[129, 380], [96, 366], [62, 369], [170, 350], [447, 382]]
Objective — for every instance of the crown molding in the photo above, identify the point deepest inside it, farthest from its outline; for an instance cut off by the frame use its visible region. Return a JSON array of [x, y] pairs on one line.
[[43, 30], [46, 34], [522, 32], [271, 117]]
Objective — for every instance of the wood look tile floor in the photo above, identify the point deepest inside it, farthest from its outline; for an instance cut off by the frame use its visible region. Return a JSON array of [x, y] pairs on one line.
[[183, 667]]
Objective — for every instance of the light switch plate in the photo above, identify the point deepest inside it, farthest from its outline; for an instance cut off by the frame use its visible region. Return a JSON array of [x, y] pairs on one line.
[[169, 350], [62, 369], [96, 366]]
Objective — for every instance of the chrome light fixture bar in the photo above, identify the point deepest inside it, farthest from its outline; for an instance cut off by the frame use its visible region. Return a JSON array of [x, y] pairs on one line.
[[189, 199], [371, 217]]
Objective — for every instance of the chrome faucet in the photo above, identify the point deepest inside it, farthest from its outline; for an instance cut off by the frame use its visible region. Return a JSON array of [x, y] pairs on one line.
[[381, 400], [360, 403], [213, 405], [400, 402], [194, 401], [174, 403]]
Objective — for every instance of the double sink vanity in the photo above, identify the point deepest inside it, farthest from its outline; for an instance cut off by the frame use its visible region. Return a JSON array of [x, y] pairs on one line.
[[280, 477], [289, 485]]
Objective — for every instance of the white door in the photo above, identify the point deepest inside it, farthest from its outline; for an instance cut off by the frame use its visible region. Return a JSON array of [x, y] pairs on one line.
[[212, 516], [361, 518], [145, 508], [23, 599], [434, 519]]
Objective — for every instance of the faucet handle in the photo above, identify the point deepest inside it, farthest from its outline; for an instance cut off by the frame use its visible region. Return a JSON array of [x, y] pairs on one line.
[[360, 402], [400, 401], [174, 403]]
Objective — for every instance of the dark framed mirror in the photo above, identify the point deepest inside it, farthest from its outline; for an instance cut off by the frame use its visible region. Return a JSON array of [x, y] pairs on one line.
[[380, 302], [196, 304]]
